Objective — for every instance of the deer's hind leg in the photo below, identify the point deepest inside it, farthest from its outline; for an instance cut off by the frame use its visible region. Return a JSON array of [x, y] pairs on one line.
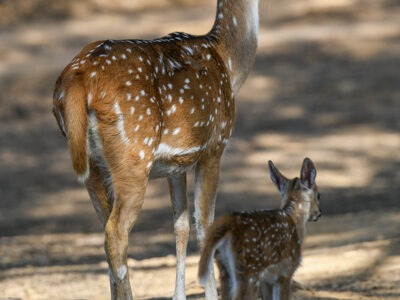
[[129, 168], [129, 190], [100, 192], [206, 182], [99, 182], [177, 187]]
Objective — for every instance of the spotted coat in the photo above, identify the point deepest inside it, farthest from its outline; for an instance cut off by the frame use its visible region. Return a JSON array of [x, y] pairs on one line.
[[171, 109], [259, 251]]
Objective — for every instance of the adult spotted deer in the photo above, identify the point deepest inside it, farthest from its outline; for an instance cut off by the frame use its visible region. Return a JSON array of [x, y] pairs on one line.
[[259, 251], [138, 109]]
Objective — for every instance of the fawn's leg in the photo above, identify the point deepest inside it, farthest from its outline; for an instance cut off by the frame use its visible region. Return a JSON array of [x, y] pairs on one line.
[[281, 289], [284, 288], [266, 291], [247, 290], [227, 270], [177, 187], [206, 182], [223, 277]]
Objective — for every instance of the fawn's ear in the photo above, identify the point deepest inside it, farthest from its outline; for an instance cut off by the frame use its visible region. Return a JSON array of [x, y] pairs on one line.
[[308, 173], [280, 181]]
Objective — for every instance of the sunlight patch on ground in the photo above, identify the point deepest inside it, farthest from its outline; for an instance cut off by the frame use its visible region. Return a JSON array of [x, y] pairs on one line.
[[341, 262], [356, 166], [259, 88], [304, 6]]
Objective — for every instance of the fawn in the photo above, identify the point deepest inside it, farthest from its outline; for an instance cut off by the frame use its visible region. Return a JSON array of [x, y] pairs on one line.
[[133, 110], [258, 252]]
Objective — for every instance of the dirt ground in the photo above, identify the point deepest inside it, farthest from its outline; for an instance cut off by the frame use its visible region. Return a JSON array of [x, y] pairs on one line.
[[326, 84]]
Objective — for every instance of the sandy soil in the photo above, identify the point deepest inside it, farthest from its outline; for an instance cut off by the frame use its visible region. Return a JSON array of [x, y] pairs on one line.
[[325, 84]]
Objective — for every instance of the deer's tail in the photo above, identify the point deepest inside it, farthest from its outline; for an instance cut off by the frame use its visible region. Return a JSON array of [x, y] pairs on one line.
[[70, 110], [215, 235]]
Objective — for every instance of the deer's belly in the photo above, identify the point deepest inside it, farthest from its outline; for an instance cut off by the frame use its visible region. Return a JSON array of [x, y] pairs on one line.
[[164, 168], [285, 268]]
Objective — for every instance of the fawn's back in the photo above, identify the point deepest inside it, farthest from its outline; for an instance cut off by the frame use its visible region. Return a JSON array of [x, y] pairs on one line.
[[264, 241]]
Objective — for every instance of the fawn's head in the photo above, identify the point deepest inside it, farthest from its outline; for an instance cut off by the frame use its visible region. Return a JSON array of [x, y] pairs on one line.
[[301, 194]]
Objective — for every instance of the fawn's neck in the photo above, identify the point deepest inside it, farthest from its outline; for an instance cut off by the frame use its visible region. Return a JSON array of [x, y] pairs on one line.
[[298, 216], [236, 33]]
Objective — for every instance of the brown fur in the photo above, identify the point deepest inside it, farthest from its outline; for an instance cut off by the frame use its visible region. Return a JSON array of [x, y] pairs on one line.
[[137, 109], [75, 117], [215, 233]]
